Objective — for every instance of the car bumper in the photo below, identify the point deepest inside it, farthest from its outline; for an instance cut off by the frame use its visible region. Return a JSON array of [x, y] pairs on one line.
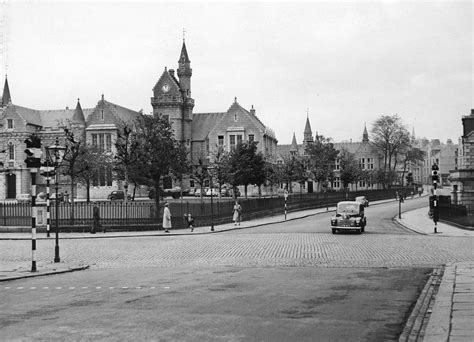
[[346, 227]]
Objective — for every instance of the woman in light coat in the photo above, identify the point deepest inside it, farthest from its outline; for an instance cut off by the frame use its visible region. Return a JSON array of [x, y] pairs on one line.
[[237, 213], [166, 218]]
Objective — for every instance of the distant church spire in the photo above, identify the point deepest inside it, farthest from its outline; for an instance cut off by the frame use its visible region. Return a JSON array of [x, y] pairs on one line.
[[365, 135], [308, 133], [6, 98]]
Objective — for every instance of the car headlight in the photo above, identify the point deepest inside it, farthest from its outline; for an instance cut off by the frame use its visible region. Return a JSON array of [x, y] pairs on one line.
[[333, 222]]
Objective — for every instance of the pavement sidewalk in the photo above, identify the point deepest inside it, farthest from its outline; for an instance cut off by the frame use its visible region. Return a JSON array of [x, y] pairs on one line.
[[450, 319]]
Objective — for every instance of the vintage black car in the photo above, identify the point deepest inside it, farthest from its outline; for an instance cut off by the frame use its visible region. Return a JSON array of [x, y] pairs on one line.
[[350, 216]]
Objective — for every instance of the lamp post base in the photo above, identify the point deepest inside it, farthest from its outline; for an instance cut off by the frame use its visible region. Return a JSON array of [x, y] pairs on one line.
[[56, 254]]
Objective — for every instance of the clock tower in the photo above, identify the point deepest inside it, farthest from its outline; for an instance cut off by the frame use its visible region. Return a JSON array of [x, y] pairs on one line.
[[172, 98]]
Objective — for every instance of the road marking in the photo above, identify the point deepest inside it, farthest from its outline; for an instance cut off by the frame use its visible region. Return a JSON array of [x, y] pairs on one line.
[[72, 288], [32, 288], [20, 287], [8, 288], [86, 287], [98, 287]]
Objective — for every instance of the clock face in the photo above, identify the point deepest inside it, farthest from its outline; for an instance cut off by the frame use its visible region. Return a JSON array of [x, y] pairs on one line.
[[165, 87]]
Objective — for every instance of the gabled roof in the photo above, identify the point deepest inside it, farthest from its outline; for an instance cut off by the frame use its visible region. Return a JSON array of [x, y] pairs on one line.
[[123, 113], [31, 116], [166, 77], [203, 123]]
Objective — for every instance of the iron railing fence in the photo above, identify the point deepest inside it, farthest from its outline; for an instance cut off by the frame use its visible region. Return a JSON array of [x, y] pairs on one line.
[[140, 215]]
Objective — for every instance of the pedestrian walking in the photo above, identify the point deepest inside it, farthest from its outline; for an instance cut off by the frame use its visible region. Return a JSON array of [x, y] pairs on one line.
[[66, 197], [237, 213], [189, 221], [95, 219], [167, 218]]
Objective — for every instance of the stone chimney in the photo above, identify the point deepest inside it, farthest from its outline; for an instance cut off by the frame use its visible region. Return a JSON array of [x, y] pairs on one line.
[[171, 72], [252, 110]]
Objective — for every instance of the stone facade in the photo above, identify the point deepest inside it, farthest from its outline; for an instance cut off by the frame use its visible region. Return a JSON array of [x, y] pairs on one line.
[[462, 178], [200, 132], [366, 155]]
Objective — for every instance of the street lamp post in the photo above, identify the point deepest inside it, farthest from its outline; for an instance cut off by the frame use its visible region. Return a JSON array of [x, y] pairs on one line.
[[57, 151], [210, 171]]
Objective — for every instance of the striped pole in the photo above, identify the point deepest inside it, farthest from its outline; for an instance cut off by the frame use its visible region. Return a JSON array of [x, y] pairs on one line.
[[48, 203], [33, 220], [286, 196]]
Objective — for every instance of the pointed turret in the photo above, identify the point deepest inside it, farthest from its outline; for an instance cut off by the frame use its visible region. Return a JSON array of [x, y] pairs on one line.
[[6, 98], [294, 146], [78, 116], [365, 135], [184, 72], [308, 133], [78, 123]]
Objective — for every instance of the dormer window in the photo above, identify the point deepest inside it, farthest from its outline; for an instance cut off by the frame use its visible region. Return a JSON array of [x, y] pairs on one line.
[[9, 123], [102, 114]]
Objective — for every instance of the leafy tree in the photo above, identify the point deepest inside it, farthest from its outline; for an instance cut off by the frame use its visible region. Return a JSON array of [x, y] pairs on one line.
[[91, 160], [247, 165], [349, 168], [127, 156], [200, 172], [321, 158], [220, 167], [412, 156], [390, 137], [160, 154], [73, 162], [301, 174]]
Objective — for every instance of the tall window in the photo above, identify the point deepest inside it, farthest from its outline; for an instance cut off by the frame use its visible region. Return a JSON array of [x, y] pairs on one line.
[[11, 151], [102, 114], [337, 164], [10, 123], [220, 140], [336, 183], [94, 139], [362, 163], [239, 139], [370, 163], [108, 140], [101, 142], [251, 137], [232, 142]]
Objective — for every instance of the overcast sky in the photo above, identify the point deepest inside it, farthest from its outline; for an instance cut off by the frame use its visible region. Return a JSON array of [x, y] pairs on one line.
[[345, 63]]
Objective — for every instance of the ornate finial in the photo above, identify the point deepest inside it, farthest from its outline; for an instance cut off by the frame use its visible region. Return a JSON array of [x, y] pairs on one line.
[[184, 34], [235, 99], [102, 96], [77, 99], [307, 112]]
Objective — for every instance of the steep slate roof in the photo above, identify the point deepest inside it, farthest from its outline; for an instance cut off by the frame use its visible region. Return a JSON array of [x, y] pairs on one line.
[[52, 117], [203, 123], [31, 116], [122, 113]]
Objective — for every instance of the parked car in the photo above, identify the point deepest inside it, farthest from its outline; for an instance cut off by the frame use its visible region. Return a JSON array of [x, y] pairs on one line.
[[118, 195], [225, 192], [52, 197], [23, 198], [173, 192], [213, 192], [349, 216], [363, 200], [197, 192]]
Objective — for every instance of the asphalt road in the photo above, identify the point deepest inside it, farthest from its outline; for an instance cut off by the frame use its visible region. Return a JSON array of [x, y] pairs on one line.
[[293, 281]]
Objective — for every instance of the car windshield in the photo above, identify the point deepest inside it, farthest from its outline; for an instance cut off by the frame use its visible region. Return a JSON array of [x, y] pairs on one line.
[[348, 208]]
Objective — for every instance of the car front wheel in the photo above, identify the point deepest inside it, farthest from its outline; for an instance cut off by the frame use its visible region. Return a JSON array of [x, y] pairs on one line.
[[334, 230]]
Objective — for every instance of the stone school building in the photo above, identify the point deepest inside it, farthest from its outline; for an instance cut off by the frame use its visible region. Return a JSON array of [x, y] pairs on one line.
[[172, 98]]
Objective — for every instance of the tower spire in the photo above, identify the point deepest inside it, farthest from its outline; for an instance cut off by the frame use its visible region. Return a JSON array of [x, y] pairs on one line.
[[365, 135], [6, 97], [308, 133]]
